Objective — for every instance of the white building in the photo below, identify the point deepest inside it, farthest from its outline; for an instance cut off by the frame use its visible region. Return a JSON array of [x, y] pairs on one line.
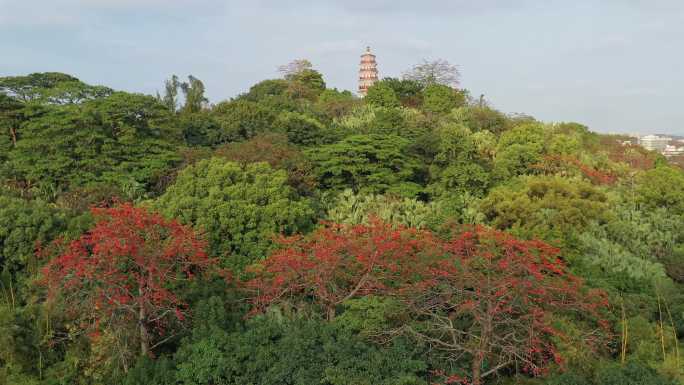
[[673, 151], [654, 142]]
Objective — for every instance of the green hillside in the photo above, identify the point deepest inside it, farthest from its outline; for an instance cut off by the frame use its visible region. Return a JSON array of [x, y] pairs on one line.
[[298, 234]]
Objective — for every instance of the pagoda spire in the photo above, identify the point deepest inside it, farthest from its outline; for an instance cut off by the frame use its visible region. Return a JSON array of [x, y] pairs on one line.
[[368, 72]]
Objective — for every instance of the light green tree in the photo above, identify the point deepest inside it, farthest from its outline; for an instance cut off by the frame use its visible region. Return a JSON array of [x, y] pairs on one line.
[[240, 209], [381, 95]]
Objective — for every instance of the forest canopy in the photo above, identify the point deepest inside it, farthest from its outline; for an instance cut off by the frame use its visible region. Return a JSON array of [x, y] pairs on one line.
[[299, 234]]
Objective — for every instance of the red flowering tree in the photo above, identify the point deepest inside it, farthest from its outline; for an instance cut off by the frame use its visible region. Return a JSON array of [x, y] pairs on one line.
[[122, 276], [490, 302], [339, 262], [561, 164], [483, 297]]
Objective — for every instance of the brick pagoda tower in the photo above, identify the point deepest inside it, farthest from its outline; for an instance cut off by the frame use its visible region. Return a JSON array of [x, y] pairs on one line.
[[368, 72]]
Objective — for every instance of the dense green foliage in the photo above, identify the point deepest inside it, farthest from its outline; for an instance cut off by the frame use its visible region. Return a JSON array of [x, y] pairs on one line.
[[240, 208], [287, 182], [372, 163]]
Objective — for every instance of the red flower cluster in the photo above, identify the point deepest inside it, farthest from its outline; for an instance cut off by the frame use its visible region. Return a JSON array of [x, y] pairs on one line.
[[558, 164], [483, 294], [124, 270], [338, 262]]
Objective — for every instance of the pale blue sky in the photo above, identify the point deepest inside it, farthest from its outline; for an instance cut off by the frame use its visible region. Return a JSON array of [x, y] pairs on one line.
[[615, 65]]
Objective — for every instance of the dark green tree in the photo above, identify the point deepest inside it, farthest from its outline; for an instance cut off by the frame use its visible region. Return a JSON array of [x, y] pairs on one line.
[[368, 163], [275, 150], [390, 121], [299, 128], [266, 89], [279, 351], [124, 139], [24, 227], [458, 166], [10, 119], [241, 120], [409, 92], [336, 104], [51, 87]]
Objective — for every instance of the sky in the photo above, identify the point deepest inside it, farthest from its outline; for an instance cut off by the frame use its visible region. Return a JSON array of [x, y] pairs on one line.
[[614, 65]]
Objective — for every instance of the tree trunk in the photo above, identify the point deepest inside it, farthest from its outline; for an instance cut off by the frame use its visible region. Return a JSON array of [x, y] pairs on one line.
[[477, 368], [144, 334], [483, 349], [13, 134]]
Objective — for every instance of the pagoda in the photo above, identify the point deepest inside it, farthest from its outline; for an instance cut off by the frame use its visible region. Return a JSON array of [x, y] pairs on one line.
[[368, 72]]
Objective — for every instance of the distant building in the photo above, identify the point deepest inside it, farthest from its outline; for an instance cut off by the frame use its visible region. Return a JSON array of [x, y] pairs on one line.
[[368, 72], [673, 151], [654, 142]]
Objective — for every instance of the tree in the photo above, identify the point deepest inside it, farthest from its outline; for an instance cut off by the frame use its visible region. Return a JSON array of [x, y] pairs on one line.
[[240, 208], [277, 350], [601, 260], [461, 177], [266, 89], [391, 121], [409, 92], [550, 207], [275, 150], [635, 248], [122, 277], [10, 117], [301, 71], [24, 227], [294, 67], [633, 372], [170, 99], [51, 88], [458, 166], [663, 187], [519, 149], [193, 90], [440, 99], [434, 72], [482, 296], [367, 163], [336, 104], [489, 302], [570, 166], [339, 262], [381, 95], [351, 208], [123, 139], [310, 79], [300, 129], [482, 118], [200, 128], [241, 120]]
